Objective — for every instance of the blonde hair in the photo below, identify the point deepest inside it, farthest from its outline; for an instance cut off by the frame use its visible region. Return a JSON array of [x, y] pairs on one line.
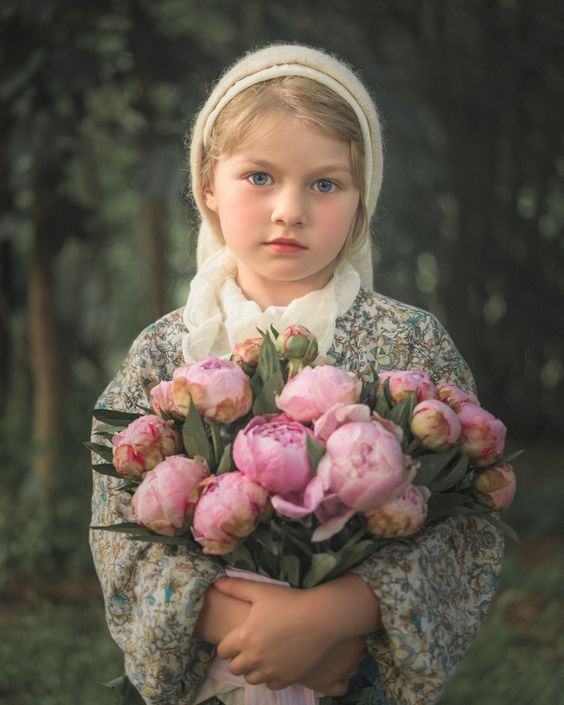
[[316, 105]]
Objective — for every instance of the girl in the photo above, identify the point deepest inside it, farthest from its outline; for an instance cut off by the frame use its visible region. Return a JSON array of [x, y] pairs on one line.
[[286, 164]]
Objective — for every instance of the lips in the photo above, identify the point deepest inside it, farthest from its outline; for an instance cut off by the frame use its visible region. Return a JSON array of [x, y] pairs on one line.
[[285, 246], [285, 241]]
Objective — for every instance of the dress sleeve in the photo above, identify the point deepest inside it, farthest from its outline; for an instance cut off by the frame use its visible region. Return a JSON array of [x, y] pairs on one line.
[[153, 593], [434, 589]]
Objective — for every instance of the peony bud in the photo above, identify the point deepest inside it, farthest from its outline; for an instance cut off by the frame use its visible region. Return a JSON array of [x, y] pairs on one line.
[[161, 400], [314, 390], [495, 487], [227, 512], [164, 502], [246, 354], [402, 516], [482, 435], [299, 346], [435, 425], [220, 389], [405, 382], [456, 397], [143, 444]]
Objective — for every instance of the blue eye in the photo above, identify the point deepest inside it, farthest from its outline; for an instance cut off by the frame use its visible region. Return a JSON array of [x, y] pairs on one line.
[[325, 186], [260, 178]]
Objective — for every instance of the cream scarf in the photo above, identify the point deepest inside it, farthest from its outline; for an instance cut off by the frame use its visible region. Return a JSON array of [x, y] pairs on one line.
[[218, 315]]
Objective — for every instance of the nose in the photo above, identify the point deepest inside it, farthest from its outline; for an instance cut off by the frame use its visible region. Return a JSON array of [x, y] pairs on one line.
[[289, 208]]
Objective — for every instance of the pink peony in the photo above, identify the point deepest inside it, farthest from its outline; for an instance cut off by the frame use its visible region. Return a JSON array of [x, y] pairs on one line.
[[161, 400], [272, 451], [483, 436], [314, 390], [143, 444], [402, 516], [338, 415], [496, 486], [364, 466], [220, 389], [404, 382], [435, 425], [227, 512], [455, 397], [246, 353], [164, 502]]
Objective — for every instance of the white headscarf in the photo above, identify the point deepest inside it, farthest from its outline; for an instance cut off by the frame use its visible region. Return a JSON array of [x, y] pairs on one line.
[[214, 323]]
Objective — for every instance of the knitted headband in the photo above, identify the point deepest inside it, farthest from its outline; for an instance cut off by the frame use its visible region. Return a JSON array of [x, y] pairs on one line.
[[283, 60]]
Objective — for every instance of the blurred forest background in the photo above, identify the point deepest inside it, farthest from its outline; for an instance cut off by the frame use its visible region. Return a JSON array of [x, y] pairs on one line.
[[97, 240]]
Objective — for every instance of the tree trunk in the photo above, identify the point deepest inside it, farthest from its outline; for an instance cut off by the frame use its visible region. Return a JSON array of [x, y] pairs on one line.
[[44, 355]]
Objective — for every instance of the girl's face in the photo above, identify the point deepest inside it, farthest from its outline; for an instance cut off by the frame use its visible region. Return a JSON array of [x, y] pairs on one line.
[[285, 203]]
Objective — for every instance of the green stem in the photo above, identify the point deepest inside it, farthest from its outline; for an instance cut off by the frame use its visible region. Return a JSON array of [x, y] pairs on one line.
[[216, 441]]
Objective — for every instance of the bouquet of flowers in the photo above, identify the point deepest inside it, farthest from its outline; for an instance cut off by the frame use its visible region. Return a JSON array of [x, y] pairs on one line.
[[287, 466]]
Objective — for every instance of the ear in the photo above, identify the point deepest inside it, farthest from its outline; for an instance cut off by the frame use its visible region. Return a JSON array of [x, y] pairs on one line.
[[210, 200]]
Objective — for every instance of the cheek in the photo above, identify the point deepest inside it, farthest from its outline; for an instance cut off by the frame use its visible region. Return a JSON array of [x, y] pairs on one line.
[[336, 220]]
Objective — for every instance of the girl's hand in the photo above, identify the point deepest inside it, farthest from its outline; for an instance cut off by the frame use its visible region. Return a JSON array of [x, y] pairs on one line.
[[283, 638], [289, 632], [332, 675]]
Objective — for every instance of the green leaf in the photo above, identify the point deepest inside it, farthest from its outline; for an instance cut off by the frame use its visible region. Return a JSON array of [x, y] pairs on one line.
[[402, 413], [123, 527], [453, 476], [106, 469], [115, 682], [502, 526], [146, 411], [265, 401], [195, 437], [431, 465], [226, 462], [350, 557], [100, 449], [383, 399], [315, 450], [290, 570], [108, 435], [511, 457], [141, 533], [321, 565], [443, 505], [115, 418], [267, 540], [242, 558], [268, 364], [368, 395], [217, 444]]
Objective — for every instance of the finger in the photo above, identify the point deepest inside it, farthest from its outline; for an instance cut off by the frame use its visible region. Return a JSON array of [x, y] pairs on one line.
[[336, 689], [241, 589], [276, 685], [255, 678], [230, 645]]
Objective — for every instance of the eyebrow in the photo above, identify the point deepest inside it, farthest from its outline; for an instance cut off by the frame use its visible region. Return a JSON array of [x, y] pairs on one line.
[[326, 168]]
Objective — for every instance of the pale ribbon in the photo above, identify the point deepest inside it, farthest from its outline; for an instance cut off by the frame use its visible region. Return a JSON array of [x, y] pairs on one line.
[[259, 694]]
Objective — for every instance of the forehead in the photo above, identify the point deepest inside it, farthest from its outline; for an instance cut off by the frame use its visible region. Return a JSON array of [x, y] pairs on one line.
[[284, 134]]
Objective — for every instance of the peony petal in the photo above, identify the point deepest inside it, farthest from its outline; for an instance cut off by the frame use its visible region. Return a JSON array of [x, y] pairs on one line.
[[332, 526], [298, 505]]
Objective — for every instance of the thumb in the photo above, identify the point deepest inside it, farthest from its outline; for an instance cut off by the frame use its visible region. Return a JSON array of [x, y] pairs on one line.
[[245, 590]]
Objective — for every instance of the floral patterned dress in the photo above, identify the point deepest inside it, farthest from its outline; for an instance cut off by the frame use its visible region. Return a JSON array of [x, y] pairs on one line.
[[434, 590]]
